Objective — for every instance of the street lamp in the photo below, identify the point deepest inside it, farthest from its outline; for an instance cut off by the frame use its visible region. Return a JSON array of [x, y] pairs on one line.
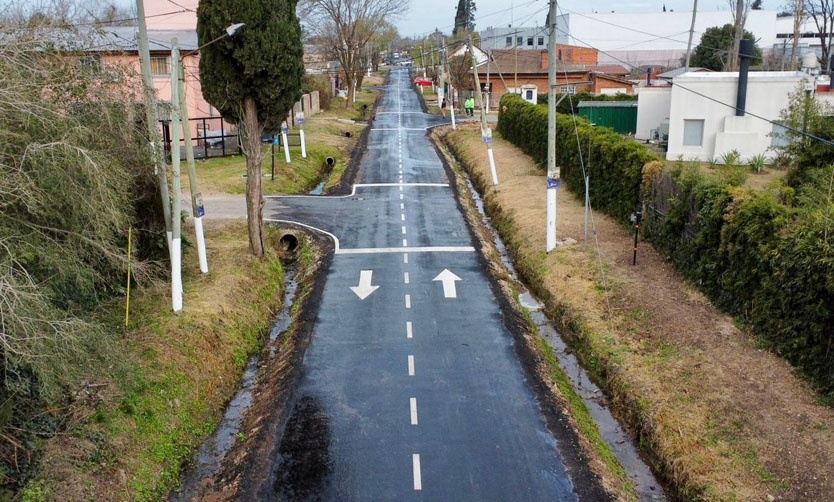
[[180, 122]]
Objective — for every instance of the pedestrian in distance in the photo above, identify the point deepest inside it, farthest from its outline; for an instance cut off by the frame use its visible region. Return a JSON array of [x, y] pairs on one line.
[[470, 106], [443, 107]]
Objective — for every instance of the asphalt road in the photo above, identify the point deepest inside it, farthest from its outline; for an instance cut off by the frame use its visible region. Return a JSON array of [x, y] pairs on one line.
[[410, 388]]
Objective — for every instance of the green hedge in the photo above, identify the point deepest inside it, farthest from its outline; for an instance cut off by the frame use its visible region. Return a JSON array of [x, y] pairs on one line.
[[765, 257], [615, 162], [765, 261]]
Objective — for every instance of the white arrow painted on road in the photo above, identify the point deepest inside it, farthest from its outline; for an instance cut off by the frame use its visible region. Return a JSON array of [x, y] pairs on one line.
[[448, 279], [364, 289]]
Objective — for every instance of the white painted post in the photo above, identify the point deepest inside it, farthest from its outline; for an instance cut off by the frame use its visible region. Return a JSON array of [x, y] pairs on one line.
[[451, 105], [299, 119], [552, 184], [587, 205], [286, 141]]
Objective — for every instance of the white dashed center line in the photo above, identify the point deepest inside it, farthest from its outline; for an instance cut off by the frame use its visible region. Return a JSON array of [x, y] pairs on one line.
[[409, 333], [405, 277], [408, 301], [418, 481], [413, 411], [405, 243], [402, 217], [410, 365], [403, 229], [405, 258]]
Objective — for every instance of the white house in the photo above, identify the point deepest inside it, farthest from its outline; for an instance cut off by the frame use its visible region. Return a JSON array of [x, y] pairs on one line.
[[702, 120], [653, 106]]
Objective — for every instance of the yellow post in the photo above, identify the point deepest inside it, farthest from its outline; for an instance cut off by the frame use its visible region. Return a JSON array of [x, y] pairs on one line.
[[129, 253]]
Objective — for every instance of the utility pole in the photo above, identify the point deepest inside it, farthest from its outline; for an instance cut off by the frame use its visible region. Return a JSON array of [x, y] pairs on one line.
[[197, 209], [176, 224], [152, 121], [450, 100], [691, 32], [553, 175], [486, 132]]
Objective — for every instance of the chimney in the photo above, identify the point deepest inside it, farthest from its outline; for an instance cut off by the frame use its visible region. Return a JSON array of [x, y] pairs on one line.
[[649, 76], [745, 55], [545, 60]]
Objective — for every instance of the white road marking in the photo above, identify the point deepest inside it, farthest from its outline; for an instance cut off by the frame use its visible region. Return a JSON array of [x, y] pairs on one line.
[[364, 288], [418, 481], [416, 249], [402, 217], [406, 278], [405, 258], [408, 301], [448, 279], [413, 411], [401, 188], [399, 129], [409, 332], [402, 205], [403, 229], [410, 365]]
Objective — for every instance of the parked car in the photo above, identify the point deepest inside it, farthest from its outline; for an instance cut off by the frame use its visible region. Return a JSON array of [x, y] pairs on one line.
[[422, 81]]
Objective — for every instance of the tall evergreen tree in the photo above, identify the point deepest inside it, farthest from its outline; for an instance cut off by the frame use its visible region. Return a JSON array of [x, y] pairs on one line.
[[253, 78], [464, 17]]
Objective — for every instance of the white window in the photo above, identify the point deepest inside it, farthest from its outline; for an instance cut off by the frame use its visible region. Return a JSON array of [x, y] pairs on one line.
[[569, 89], [509, 42], [693, 132], [530, 41], [541, 40]]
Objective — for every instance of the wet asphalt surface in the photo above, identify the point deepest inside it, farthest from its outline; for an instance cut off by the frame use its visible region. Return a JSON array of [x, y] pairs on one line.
[[414, 392]]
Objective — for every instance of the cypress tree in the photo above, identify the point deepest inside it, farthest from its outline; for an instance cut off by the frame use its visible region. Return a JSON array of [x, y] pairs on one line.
[[253, 78]]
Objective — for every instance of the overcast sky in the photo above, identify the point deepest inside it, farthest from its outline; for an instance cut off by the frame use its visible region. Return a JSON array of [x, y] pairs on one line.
[[426, 15]]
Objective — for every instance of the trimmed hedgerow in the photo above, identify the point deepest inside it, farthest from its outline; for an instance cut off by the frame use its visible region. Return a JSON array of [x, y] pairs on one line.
[[615, 162]]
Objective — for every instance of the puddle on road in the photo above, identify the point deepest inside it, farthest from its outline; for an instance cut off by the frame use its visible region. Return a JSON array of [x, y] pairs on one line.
[[621, 444], [214, 449]]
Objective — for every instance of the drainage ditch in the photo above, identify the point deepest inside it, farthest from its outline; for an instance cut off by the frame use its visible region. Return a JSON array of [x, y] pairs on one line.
[[621, 444], [213, 451]]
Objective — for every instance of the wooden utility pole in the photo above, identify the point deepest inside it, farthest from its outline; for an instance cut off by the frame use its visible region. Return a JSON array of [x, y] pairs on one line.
[[176, 224], [799, 9], [197, 209], [553, 174], [152, 120], [691, 33], [486, 132]]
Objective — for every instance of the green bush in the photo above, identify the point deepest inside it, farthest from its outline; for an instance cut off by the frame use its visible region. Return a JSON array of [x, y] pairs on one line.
[[616, 161]]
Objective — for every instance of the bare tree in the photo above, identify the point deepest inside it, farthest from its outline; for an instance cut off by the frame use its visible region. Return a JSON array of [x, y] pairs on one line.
[[799, 10], [742, 8], [346, 27], [822, 12]]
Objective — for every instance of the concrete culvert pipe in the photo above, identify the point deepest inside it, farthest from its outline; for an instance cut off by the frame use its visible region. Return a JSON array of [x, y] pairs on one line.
[[330, 162], [288, 244]]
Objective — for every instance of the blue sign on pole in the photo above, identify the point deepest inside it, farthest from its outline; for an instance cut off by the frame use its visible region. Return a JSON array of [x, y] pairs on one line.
[[553, 182], [276, 140]]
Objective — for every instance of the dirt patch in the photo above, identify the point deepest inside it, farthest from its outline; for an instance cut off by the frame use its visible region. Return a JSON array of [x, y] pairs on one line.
[[722, 418]]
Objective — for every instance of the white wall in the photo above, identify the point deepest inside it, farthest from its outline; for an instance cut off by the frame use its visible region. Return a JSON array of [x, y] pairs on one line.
[[705, 96], [653, 105]]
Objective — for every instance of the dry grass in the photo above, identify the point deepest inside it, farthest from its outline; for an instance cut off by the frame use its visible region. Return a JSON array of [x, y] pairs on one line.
[[724, 419], [139, 422]]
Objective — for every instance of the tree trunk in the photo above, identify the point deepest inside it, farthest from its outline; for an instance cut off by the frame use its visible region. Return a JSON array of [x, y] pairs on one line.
[[732, 64], [250, 142]]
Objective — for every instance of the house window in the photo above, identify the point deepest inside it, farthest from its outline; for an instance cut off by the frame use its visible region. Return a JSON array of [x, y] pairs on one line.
[[509, 41], [693, 132], [530, 41], [160, 65], [541, 40], [569, 89], [779, 136], [519, 40]]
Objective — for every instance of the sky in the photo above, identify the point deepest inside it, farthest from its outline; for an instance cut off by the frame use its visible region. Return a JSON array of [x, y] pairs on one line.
[[426, 15]]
